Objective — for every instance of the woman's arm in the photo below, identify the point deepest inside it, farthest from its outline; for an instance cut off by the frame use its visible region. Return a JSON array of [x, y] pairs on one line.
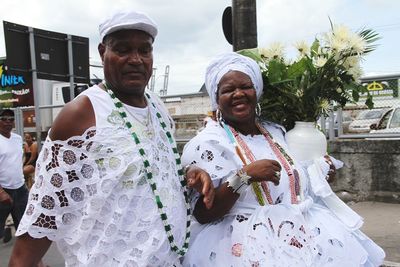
[[34, 154], [225, 197], [224, 200]]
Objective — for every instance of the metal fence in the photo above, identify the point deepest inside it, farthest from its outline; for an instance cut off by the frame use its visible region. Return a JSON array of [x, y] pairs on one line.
[[357, 121], [353, 121]]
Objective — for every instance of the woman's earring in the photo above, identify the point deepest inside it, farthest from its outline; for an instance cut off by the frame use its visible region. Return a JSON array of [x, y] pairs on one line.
[[258, 110], [218, 115]]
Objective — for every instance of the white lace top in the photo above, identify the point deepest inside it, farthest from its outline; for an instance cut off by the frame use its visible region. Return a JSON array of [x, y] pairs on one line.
[[283, 234], [92, 198], [212, 151]]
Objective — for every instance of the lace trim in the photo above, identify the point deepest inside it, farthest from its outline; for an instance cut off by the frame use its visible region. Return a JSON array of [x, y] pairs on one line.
[[92, 194]]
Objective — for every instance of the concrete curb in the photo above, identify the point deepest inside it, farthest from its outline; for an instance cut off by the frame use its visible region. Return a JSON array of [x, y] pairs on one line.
[[390, 264]]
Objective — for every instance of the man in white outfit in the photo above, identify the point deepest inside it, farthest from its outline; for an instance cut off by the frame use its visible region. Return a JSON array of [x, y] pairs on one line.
[[13, 193], [109, 187]]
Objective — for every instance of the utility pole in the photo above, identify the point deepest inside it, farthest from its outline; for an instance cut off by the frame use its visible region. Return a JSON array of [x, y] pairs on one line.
[[152, 82], [166, 77], [244, 24]]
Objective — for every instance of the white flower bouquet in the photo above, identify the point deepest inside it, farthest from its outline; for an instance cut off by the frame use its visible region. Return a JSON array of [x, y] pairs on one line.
[[324, 75]]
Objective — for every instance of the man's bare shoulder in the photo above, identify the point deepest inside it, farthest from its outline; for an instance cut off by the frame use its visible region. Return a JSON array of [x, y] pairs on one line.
[[74, 119]]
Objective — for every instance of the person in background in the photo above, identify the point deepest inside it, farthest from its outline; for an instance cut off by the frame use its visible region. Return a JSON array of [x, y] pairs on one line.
[[109, 186], [13, 192], [30, 157], [265, 212]]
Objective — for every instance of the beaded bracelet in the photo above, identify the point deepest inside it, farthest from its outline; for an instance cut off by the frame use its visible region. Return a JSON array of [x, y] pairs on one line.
[[239, 181]]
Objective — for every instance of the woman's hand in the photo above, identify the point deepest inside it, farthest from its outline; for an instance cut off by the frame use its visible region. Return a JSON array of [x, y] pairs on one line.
[[332, 169], [199, 180], [264, 170]]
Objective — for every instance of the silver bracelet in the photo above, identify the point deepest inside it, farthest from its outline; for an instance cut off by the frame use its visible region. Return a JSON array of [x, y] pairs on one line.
[[239, 181], [185, 169]]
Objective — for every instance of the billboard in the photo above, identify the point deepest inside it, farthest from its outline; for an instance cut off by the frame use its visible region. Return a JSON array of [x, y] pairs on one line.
[[51, 53], [15, 87]]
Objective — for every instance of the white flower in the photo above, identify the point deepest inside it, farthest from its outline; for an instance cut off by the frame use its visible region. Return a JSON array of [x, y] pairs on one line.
[[339, 90], [319, 61], [357, 43], [275, 51], [339, 45], [341, 32], [302, 47], [341, 40], [299, 93], [355, 71], [325, 106], [351, 62]]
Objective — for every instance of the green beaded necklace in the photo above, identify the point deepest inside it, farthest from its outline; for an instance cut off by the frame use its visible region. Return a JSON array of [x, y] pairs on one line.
[[149, 174]]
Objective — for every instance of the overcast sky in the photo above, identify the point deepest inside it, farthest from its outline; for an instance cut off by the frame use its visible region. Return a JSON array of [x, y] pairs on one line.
[[190, 32]]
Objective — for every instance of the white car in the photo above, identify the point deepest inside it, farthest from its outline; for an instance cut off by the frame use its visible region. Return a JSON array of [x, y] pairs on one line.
[[362, 123], [389, 123]]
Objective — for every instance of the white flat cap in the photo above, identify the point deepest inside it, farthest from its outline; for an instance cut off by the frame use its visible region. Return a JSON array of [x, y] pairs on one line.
[[128, 21]]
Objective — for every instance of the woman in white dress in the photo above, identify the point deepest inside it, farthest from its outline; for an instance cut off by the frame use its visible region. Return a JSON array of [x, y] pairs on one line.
[[265, 211]]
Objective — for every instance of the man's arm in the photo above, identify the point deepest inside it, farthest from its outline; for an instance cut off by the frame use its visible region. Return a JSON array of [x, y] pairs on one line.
[[74, 119], [28, 251]]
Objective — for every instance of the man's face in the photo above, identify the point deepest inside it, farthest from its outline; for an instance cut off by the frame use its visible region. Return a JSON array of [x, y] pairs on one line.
[[127, 57], [6, 122]]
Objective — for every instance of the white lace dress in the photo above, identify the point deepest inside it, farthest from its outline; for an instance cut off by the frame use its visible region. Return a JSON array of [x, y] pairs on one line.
[[283, 234], [92, 198]]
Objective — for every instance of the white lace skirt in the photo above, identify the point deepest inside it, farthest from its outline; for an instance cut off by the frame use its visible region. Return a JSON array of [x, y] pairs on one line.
[[281, 235]]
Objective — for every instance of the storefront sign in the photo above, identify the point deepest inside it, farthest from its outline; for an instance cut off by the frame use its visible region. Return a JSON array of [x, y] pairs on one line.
[[15, 88]]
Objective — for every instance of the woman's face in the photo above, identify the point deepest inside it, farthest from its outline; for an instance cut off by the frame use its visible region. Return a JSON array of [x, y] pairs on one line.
[[28, 138], [237, 97]]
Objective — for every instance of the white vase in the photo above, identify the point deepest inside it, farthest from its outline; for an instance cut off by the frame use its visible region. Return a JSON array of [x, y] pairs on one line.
[[305, 141]]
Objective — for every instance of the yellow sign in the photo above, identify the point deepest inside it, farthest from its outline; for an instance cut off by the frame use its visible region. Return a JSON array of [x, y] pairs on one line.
[[374, 86]]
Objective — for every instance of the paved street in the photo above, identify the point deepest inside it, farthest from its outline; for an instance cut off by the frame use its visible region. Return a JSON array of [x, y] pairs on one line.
[[381, 223]]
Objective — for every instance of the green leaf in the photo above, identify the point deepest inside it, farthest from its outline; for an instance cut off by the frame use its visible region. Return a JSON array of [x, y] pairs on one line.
[[369, 102], [370, 36], [355, 95], [252, 53], [297, 69], [314, 48], [276, 71]]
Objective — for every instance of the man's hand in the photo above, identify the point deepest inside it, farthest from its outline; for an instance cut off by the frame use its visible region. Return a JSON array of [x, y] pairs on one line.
[[199, 179], [5, 198]]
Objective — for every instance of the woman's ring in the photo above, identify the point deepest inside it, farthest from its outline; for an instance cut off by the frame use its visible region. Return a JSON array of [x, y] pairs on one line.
[[277, 174]]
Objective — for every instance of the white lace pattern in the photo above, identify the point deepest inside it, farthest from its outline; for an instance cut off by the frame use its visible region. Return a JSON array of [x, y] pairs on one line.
[[91, 196], [283, 234]]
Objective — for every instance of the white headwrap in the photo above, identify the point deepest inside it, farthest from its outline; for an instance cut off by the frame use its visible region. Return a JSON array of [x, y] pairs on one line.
[[128, 21], [231, 61]]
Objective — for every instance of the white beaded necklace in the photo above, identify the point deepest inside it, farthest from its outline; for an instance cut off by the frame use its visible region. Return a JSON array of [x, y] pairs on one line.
[[149, 175]]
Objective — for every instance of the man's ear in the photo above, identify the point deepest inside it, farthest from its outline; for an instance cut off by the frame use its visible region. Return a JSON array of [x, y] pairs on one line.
[[102, 49]]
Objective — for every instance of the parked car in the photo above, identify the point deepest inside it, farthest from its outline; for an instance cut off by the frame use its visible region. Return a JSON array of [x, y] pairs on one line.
[[389, 123], [362, 123]]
